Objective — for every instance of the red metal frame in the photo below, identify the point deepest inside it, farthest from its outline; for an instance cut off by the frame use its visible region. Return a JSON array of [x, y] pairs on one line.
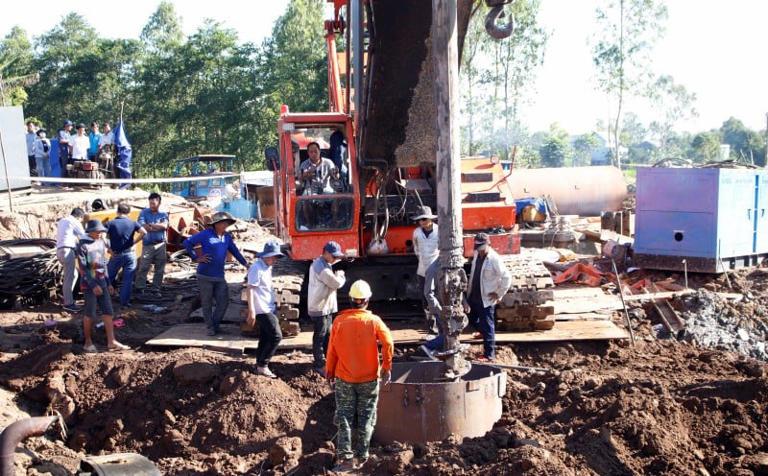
[[306, 245]]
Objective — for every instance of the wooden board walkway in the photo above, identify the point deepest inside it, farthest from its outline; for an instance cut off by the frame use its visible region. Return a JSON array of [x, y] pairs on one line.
[[193, 335]]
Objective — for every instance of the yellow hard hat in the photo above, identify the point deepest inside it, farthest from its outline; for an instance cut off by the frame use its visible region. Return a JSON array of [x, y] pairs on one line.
[[360, 290]]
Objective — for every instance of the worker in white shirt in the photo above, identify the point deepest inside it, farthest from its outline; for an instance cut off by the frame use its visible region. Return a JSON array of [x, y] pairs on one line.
[[69, 230], [262, 307], [489, 281], [107, 136], [322, 303], [79, 144], [42, 151], [426, 250]]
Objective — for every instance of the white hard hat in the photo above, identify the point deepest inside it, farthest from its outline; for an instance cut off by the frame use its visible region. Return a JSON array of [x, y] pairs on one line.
[[360, 290]]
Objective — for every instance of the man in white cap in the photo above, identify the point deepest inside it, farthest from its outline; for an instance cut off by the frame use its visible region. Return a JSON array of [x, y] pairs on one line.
[[425, 247], [353, 370], [262, 306], [321, 299]]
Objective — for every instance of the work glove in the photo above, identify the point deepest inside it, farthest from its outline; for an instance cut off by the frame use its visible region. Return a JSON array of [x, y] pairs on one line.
[[386, 377]]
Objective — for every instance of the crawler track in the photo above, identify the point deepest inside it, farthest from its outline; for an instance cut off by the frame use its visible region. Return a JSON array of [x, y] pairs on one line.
[[522, 308], [288, 282]]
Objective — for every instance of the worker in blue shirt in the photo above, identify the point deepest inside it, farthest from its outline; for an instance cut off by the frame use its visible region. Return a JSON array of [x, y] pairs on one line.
[[214, 243], [94, 137], [153, 252], [121, 231]]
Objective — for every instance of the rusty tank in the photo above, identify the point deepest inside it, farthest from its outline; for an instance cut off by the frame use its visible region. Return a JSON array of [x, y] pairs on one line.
[[585, 191], [417, 407]]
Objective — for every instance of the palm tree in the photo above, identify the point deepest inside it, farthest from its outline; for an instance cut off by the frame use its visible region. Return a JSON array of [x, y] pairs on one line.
[[13, 81]]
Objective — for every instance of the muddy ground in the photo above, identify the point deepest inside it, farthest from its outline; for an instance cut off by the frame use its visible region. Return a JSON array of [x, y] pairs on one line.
[[659, 407]]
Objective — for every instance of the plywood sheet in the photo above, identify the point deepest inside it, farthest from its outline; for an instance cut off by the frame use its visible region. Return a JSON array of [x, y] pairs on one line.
[[603, 304], [584, 316], [193, 335]]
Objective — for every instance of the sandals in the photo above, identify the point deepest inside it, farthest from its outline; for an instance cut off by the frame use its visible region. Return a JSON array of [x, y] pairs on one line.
[[117, 347], [90, 349]]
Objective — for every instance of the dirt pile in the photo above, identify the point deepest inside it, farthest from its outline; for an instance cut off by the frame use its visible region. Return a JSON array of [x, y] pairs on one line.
[[663, 407], [186, 410]]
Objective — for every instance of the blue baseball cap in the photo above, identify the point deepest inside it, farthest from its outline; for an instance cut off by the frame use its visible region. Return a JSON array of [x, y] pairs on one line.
[[334, 249], [67, 123], [271, 248]]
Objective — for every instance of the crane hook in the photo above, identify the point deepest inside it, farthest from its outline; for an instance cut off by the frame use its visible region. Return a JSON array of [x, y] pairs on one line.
[[498, 32]]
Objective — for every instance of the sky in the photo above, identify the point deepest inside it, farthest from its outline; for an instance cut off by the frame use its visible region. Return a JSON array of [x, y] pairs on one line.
[[709, 47]]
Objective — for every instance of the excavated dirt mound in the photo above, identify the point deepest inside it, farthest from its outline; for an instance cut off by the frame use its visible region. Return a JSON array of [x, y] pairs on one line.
[[662, 407], [187, 410]]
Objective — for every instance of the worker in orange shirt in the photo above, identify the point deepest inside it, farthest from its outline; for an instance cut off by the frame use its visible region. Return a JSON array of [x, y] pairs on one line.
[[352, 367]]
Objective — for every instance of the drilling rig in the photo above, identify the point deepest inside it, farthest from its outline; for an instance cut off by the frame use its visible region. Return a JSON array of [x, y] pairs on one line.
[[392, 131]]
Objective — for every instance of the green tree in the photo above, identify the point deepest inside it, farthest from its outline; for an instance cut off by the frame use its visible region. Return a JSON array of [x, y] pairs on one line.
[[202, 99], [633, 131], [208, 93], [746, 145], [68, 81], [519, 57], [163, 34], [555, 150], [706, 147], [476, 45], [628, 29], [583, 146], [678, 146], [293, 61], [503, 72], [672, 103], [15, 67]]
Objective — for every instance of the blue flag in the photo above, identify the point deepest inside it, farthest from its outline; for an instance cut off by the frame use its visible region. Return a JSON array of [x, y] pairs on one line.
[[124, 153]]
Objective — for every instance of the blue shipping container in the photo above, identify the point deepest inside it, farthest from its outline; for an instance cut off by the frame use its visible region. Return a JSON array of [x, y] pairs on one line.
[[714, 219]]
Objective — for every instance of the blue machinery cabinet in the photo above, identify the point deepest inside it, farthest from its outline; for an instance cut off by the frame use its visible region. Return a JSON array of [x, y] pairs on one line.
[[714, 219]]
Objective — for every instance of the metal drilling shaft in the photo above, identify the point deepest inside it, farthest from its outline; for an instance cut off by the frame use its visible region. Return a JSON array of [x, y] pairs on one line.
[[452, 278]]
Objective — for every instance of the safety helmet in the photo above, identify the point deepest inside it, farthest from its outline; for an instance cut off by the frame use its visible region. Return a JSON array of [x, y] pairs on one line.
[[360, 290]]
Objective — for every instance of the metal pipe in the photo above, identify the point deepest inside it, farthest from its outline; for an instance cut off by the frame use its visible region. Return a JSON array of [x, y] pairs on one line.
[[356, 38], [7, 174], [515, 367], [623, 302], [17, 432], [452, 279]]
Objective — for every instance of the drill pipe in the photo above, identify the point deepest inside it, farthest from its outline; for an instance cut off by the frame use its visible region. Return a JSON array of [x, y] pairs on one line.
[[17, 432], [451, 279]]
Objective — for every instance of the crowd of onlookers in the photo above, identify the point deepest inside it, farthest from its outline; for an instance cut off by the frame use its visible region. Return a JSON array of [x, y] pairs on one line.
[[71, 146]]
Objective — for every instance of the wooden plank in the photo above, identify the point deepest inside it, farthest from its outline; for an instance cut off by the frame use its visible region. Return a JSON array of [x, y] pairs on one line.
[[563, 331], [582, 305], [193, 335], [577, 292], [585, 316]]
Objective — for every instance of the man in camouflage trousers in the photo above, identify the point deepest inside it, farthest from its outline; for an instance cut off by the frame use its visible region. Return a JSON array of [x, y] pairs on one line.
[[352, 367]]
